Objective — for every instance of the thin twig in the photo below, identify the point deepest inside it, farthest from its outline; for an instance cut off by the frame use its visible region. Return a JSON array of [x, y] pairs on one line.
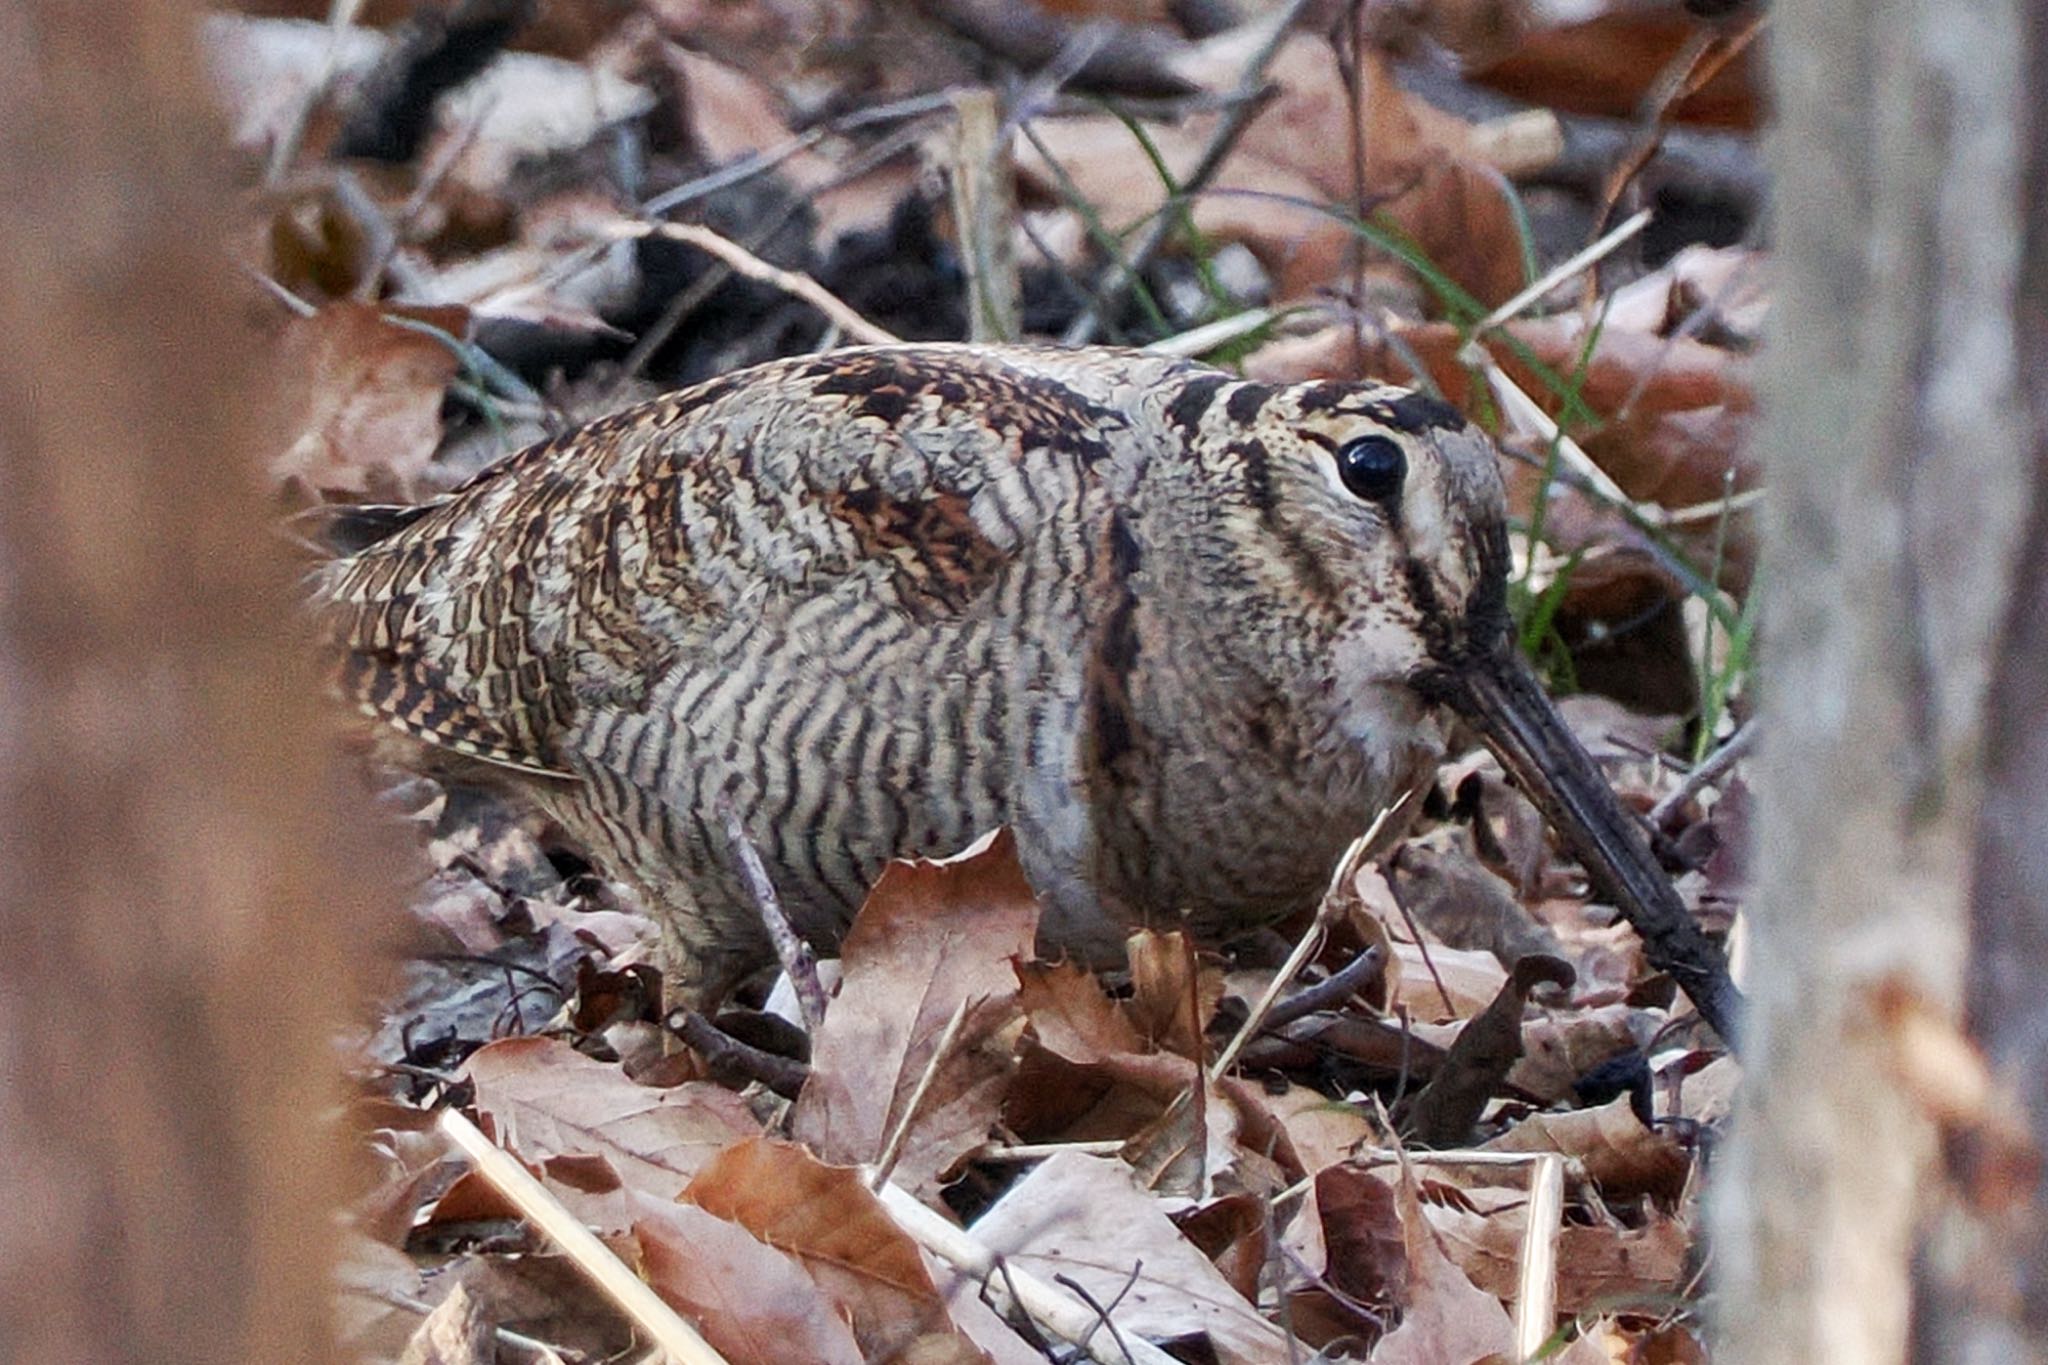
[[1362, 848], [790, 282], [1221, 143], [767, 159], [796, 956], [341, 17], [1341, 986], [687, 302], [1705, 774], [1687, 72], [592, 1257], [1038, 1151], [892, 1150], [1102, 1318], [728, 1057], [1422, 947], [1584, 259]]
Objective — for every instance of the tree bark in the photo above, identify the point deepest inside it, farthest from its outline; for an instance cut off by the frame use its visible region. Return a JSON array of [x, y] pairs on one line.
[[170, 928], [1899, 479]]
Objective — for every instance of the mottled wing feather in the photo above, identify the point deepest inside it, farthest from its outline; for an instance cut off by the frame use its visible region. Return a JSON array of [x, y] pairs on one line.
[[572, 574]]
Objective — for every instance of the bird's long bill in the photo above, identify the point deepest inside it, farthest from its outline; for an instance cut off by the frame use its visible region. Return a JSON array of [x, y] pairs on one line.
[[1502, 697]]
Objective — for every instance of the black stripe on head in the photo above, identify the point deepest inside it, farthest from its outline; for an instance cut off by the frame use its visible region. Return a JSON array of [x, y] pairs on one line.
[[1188, 408], [1245, 401], [1416, 413], [1258, 476]]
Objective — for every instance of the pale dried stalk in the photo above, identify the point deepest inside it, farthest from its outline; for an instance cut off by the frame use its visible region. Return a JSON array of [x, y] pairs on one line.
[[984, 193], [1362, 848], [632, 1294], [893, 1149], [1035, 1151], [746, 263], [1562, 271], [1536, 1290], [1210, 335]]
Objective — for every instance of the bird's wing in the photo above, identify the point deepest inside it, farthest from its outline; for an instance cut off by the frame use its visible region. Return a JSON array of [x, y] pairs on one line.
[[576, 572]]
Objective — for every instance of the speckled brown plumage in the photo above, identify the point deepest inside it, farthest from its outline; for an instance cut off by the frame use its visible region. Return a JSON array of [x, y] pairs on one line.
[[887, 599]]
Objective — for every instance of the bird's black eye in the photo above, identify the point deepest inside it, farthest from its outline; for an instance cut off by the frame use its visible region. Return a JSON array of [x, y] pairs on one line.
[[1372, 467]]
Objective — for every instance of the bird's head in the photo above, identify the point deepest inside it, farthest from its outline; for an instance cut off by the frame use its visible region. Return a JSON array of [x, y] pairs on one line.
[[1366, 527]]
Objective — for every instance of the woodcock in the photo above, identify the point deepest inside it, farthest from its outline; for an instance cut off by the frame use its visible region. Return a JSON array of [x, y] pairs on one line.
[[1184, 634]]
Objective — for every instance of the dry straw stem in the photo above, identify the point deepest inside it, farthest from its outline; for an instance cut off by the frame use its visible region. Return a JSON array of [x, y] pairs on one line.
[[1059, 1312], [984, 205], [608, 1272], [1525, 413], [753, 267], [1536, 1290], [1362, 849], [893, 1149], [1210, 335]]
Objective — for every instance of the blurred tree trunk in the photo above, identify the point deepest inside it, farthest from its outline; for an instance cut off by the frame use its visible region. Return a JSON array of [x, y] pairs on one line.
[[169, 937], [1988, 1279], [1900, 477]]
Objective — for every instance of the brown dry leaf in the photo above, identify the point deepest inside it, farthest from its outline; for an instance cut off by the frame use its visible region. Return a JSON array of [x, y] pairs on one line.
[[525, 107], [455, 1333], [831, 1223], [1604, 1264], [1360, 1225], [1307, 128], [265, 69], [1621, 1156], [1265, 207], [546, 1099], [1447, 1319], [1708, 1096], [373, 398], [1294, 157], [1726, 283], [1085, 1218], [1606, 66], [372, 1278], [730, 114], [1173, 995], [1443, 985], [1236, 1233], [1463, 904], [1322, 1131], [1070, 1013], [754, 1304], [547, 1297], [1459, 217], [932, 938]]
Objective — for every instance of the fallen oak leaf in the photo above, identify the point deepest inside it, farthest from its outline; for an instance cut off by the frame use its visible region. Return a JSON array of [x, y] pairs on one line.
[[1084, 1218], [834, 1225], [546, 1099], [933, 939]]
